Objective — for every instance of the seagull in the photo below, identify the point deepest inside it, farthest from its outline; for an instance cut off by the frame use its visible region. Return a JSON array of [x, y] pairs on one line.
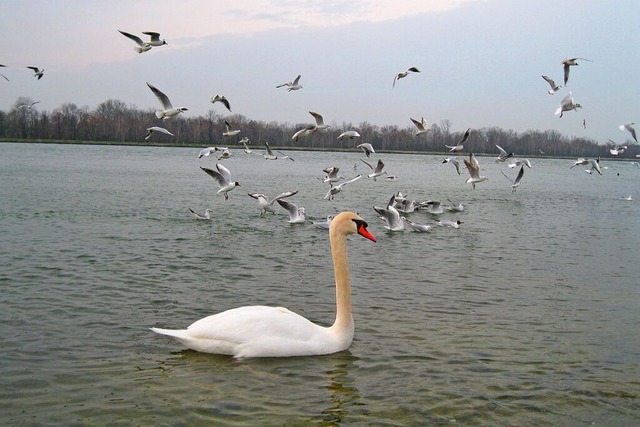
[[568, 63], [270, 156], [377, 170], [157, 129], [554, 86], [567, 104], [324, 224], [155, 39], [230, 130], [37, 72], [448, 223], [332, 174], [391, 216], [503, 156], [335, 189], [221, 99], [474, 170], [5, 77], [581, 161], [205, 215], [29, 106], [246, 147], [421, 125], [403, 74], [296, 215], [206, 151], [421, 228], [455, 207], [294, 85], [303, 132], [459, 146], [433, 207], [266, 205], [319, 121], [595, 166], [142, 46], [223, 176], [367, 148], [520, 162], [225, 154], [627, 198], [629, 127], [617, 149], [350, 134], [515, 183], [454, 161], [168, 110]]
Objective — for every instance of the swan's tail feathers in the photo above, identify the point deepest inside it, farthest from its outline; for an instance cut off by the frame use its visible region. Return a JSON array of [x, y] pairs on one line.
[[180, 334]]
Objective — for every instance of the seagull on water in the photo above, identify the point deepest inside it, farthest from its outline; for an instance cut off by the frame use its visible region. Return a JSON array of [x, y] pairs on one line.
[[350, 134], [448, 223], [206, 215], [377, 170], [403, 74], [324, 224], [420, 228], [335, 189], [391, 216], [454, 161], [266, 205], [567, 63], [168, 110], [554, 86], [297, 215], [221, 99], [366, 148], [141, 46], [567, 104], [474, 171], [293, 85], [223, 176], [153, 129], [155, 39], [421, 126], [459, 147], [629, 128], [503, 156], [515, 183], [37, 72]]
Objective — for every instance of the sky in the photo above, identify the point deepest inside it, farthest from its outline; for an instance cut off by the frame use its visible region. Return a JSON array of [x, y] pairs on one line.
[[481, 61]]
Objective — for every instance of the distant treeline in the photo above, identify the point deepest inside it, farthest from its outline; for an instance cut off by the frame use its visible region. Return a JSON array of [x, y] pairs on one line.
[[115, 122]]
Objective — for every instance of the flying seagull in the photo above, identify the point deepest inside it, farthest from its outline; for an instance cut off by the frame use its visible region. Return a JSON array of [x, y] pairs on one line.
[[230, 130], [266, 205], [554, 86], [155, 38], [335, 189], [350, 134], [223, 176], [141, 46], [421, 125], [567, 104], [629, 127], [153, 129], [293, 85], [474, 171], [515, 182], [168, 110], [37, 72], [221, 99], [567, 63], [367, 148], [403, 74], [459, 146]]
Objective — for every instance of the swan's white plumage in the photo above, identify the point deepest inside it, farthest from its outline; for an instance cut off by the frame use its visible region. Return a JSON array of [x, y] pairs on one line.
[[262, 331]]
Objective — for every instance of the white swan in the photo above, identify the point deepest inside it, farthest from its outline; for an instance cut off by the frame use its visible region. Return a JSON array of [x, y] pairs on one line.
[[262, 331]]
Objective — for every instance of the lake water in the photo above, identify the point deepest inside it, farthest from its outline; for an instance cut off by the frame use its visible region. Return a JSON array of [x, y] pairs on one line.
[[529, 314]]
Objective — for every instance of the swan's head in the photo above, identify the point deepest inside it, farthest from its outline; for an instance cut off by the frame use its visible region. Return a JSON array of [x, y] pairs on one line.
[[351, 223]]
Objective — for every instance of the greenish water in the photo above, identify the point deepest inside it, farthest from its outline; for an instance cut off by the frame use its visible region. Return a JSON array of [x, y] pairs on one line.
[[527, 315]]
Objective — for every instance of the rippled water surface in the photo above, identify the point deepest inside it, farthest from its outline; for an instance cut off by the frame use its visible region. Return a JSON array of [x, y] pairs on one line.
[[527, 315]]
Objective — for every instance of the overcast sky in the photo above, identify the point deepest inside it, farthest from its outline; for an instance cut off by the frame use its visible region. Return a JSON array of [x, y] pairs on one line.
[[481, 60]]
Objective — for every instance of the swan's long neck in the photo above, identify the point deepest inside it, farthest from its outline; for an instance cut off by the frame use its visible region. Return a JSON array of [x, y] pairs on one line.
[[344, 319]]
